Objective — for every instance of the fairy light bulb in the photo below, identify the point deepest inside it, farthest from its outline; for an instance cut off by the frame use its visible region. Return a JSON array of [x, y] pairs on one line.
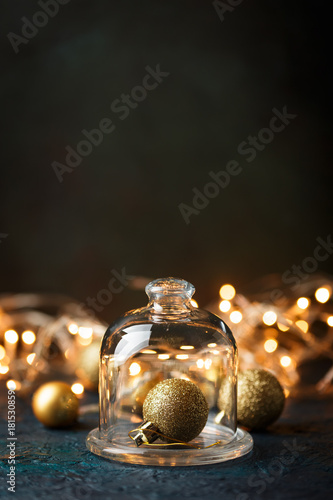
[[225, 306], [285, 361], [269, 318], [2, 352], [322, 295], [303, 302], [194, 303], [77, 388], [236, 317], [30, 358], [28, 337], [330, 321], [270, 345], [134, 369], [227, 292], [302, 325], [11, 336]]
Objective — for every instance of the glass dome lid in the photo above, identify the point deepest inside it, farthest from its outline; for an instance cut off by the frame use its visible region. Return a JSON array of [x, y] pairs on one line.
[[164, 371]]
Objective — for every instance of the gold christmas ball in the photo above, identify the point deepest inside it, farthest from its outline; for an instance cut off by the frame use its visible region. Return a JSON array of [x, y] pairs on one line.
[[140, 393], [260, 399], [88, 366], [178, 408], [55, 405]]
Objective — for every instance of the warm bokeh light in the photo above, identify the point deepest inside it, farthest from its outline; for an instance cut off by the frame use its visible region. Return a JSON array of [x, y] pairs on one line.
[[13, 385], [85, 332], [286, 392], [208, 363], [303, 302], [282, 327], [194, 303], [30, 358], [270, 345], [225, 306], [4, 369], [303, 325], [200, 363], [322, 295], [28, 337], [187, 347], [330, 321], [236, 317], [77, 388], [227, 292], [134, 369], [163, 356], [182, 356], [73, 328], [212, 345], [269, 318], [2, 352], [148, 351], [285, 361], [11, 336]]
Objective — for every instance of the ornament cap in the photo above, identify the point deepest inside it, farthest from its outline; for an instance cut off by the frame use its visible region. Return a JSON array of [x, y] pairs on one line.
[[142, 438]]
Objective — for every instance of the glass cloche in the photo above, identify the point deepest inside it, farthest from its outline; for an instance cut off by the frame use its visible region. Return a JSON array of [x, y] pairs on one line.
[[146, 349]]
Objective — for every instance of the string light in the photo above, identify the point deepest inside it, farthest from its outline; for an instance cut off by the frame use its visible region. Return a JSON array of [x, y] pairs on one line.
[[28, 337], [194, 303], [73, 328], [85, 333], [148, 351], [270, 345], [227, 292], [30, 358], [134, 369], [200, 363], [4, 369], [225, 306], [186, 347], [303, 302], [2, 352], [285, 361], [11, 336], [282, 327], [269, 318], [322, 295], [13, 385], [77, 388], [236, 317], [212, 345], [303, 325], [182, 356], [330, 321], [163, 356]]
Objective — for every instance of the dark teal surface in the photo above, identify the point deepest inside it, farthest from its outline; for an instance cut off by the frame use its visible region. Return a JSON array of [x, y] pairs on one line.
[[291, 461]]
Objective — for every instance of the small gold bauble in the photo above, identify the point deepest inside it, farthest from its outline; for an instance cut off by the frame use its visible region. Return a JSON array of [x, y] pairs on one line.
[[260, 399], [140, 393], [55, 405], [178, 408], [88, 366]]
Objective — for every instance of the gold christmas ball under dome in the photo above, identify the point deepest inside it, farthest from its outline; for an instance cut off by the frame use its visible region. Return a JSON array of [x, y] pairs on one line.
[[177, 408], [55, 405]]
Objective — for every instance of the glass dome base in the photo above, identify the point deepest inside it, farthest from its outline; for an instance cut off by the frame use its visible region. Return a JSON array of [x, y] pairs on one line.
[[123, 449]]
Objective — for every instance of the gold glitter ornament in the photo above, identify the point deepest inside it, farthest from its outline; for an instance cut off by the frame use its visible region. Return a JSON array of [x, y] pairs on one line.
[[260, 399], [55, 405], [88, 366], [177, 408]]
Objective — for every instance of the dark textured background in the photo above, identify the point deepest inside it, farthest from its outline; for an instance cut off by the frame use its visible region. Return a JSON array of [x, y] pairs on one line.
[[119, 208]]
